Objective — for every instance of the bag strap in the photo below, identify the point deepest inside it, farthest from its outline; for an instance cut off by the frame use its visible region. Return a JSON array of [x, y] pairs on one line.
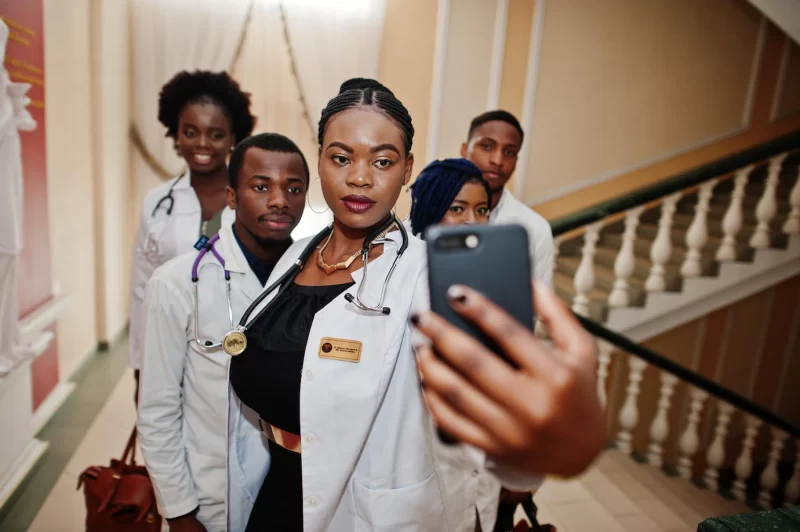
[[130, 449]]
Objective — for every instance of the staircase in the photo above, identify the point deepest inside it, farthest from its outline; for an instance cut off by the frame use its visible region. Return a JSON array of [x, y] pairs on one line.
[[625, 258], [643, 264]]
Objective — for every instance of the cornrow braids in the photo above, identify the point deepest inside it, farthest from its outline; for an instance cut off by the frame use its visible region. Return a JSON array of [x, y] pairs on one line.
[[363, 92], [435, 189]]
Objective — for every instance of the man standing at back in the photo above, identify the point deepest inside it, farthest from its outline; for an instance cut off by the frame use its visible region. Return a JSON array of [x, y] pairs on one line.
[[493, 144]]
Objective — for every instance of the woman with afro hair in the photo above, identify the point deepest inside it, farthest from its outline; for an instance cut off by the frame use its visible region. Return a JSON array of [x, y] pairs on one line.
[[205, 114]]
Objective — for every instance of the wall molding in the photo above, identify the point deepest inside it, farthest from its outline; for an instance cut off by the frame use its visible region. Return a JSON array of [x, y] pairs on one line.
[[498, 55], [613, 174], [50, 406], [43, 316], [437, 85], [19, 471], [794, 339], [529, 97], [522, 167], [778, 94], [762, 342], [755, 70]]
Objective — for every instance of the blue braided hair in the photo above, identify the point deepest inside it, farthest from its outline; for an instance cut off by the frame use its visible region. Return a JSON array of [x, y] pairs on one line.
[[436, 187]]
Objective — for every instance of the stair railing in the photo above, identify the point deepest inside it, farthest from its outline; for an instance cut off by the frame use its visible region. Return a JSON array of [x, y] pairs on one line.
[[764, 479], [701, 183]]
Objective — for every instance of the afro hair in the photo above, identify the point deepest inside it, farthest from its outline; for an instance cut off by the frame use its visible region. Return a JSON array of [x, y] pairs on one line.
[[200, 87]]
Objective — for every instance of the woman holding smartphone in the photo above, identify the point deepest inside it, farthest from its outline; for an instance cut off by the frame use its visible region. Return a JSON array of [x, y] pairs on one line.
[[330, 368]]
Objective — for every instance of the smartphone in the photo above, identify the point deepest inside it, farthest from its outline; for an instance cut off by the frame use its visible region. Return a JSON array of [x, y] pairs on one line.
[[492, 259]]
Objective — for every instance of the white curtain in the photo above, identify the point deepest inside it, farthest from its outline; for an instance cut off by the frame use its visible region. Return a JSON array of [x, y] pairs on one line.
[[170, 36], [332, 41]]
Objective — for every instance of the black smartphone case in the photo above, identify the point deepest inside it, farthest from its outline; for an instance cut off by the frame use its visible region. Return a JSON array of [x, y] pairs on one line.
[[498, 267]]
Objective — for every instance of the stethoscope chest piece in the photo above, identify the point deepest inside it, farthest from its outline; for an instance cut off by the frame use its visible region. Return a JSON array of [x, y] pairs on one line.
[[234, 343]]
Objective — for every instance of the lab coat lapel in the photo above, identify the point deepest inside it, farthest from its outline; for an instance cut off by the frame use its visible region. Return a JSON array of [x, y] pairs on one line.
[[236, 263], [338, 399]]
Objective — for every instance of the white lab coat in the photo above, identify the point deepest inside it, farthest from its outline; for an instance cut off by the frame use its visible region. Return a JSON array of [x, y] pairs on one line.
[[184, 397], [510, 210], [159, 238], [371, 458]]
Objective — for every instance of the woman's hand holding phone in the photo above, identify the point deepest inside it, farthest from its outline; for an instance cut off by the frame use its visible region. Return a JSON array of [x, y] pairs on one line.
[[544, 417]]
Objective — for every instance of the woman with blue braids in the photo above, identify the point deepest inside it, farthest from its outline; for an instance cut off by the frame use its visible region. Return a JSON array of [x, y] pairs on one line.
[[449, 192]]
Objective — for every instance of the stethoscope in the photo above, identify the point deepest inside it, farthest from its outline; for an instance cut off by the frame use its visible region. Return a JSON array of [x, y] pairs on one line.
[[235, 341], [167, 198], [196, 267]]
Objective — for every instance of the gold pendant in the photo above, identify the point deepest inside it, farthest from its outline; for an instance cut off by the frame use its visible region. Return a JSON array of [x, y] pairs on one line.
[[234, 343]]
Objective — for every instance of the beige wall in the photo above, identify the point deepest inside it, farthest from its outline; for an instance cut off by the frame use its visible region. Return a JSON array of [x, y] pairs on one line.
[[88, 169], [626, 93], [70, 170], [406, 66], [470, 42], [623, 83], [111, 81]]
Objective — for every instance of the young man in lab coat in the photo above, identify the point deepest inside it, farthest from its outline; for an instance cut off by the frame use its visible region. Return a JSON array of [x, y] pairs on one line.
[[493, 144], [184, 397]]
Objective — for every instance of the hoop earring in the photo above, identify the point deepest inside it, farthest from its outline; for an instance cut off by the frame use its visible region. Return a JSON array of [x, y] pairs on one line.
[[308, 200], [407, 216]]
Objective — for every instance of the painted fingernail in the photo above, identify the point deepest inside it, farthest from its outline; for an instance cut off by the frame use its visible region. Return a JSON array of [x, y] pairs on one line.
[[414, 319], [457, 293]]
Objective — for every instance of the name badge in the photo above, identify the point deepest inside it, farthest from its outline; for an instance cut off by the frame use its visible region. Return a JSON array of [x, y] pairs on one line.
[[338, 349]]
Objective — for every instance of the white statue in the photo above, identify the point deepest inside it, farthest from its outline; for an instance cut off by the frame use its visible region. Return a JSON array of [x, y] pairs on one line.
[[14, 117]]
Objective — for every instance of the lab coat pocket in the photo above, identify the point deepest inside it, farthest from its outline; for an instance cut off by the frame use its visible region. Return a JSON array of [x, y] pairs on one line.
[[151, 248], [209, 475], [417, 508]]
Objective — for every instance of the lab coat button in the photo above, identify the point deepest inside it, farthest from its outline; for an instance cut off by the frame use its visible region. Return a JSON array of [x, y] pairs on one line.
[[474, 472], [310, 438], [309, 374], [312, 501]]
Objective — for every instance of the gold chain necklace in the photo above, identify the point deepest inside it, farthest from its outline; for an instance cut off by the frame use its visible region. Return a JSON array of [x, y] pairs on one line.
[[330, 268]]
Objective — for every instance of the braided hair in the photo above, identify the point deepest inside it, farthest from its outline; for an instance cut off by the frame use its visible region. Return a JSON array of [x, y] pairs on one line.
[[363, 92], [437, 186], [205, 87]]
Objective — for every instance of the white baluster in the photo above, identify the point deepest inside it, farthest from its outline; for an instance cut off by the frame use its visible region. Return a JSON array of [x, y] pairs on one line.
[[769, 477], [793, 487], [734, 217], [584, 276], [767, 206], [716, 452], [690, 439], [625, 262], [661, 250], [540, 330], [659, 429], [744, 464], [605, 350], [697, 235], [792, 225], [629, 415]]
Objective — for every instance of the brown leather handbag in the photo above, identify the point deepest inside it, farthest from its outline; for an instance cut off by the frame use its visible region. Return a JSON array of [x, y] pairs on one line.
[[120, 497]]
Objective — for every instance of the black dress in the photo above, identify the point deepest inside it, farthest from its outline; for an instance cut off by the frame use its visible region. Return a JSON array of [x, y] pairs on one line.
[[266, 377]]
